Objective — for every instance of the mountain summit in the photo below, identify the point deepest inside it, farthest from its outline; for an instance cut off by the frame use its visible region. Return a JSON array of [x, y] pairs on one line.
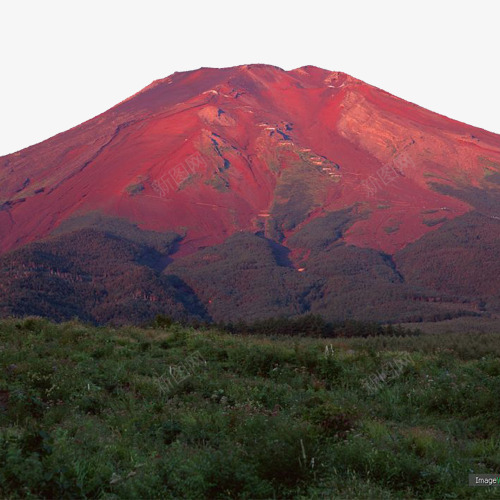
[[248, 192]]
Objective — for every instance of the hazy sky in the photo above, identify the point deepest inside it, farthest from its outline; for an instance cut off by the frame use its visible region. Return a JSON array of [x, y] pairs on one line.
[[63, 62]]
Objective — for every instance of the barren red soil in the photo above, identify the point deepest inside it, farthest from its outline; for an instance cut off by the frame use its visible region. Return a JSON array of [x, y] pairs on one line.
[[211, 152]]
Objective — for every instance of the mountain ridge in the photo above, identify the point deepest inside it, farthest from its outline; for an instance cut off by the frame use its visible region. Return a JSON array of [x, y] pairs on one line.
[[254, 149]]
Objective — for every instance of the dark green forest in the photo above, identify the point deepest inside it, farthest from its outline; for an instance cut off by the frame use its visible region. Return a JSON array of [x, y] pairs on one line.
[[104, 270]]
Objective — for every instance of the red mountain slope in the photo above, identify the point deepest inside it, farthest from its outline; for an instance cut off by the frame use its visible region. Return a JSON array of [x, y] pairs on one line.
[[255, 130], [352, 190]]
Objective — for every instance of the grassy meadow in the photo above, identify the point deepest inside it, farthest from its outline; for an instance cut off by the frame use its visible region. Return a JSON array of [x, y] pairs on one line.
[[178, 412]]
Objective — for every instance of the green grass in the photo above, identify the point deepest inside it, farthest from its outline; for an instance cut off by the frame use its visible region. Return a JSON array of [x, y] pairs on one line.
[[434, 222], [134, 189], [391, 229], [85, 413]]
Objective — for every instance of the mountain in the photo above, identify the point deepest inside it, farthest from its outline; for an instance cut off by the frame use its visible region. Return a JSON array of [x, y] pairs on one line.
[[249, 192]]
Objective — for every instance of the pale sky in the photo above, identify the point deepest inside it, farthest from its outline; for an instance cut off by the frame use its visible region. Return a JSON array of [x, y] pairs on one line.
[[63, 62]]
